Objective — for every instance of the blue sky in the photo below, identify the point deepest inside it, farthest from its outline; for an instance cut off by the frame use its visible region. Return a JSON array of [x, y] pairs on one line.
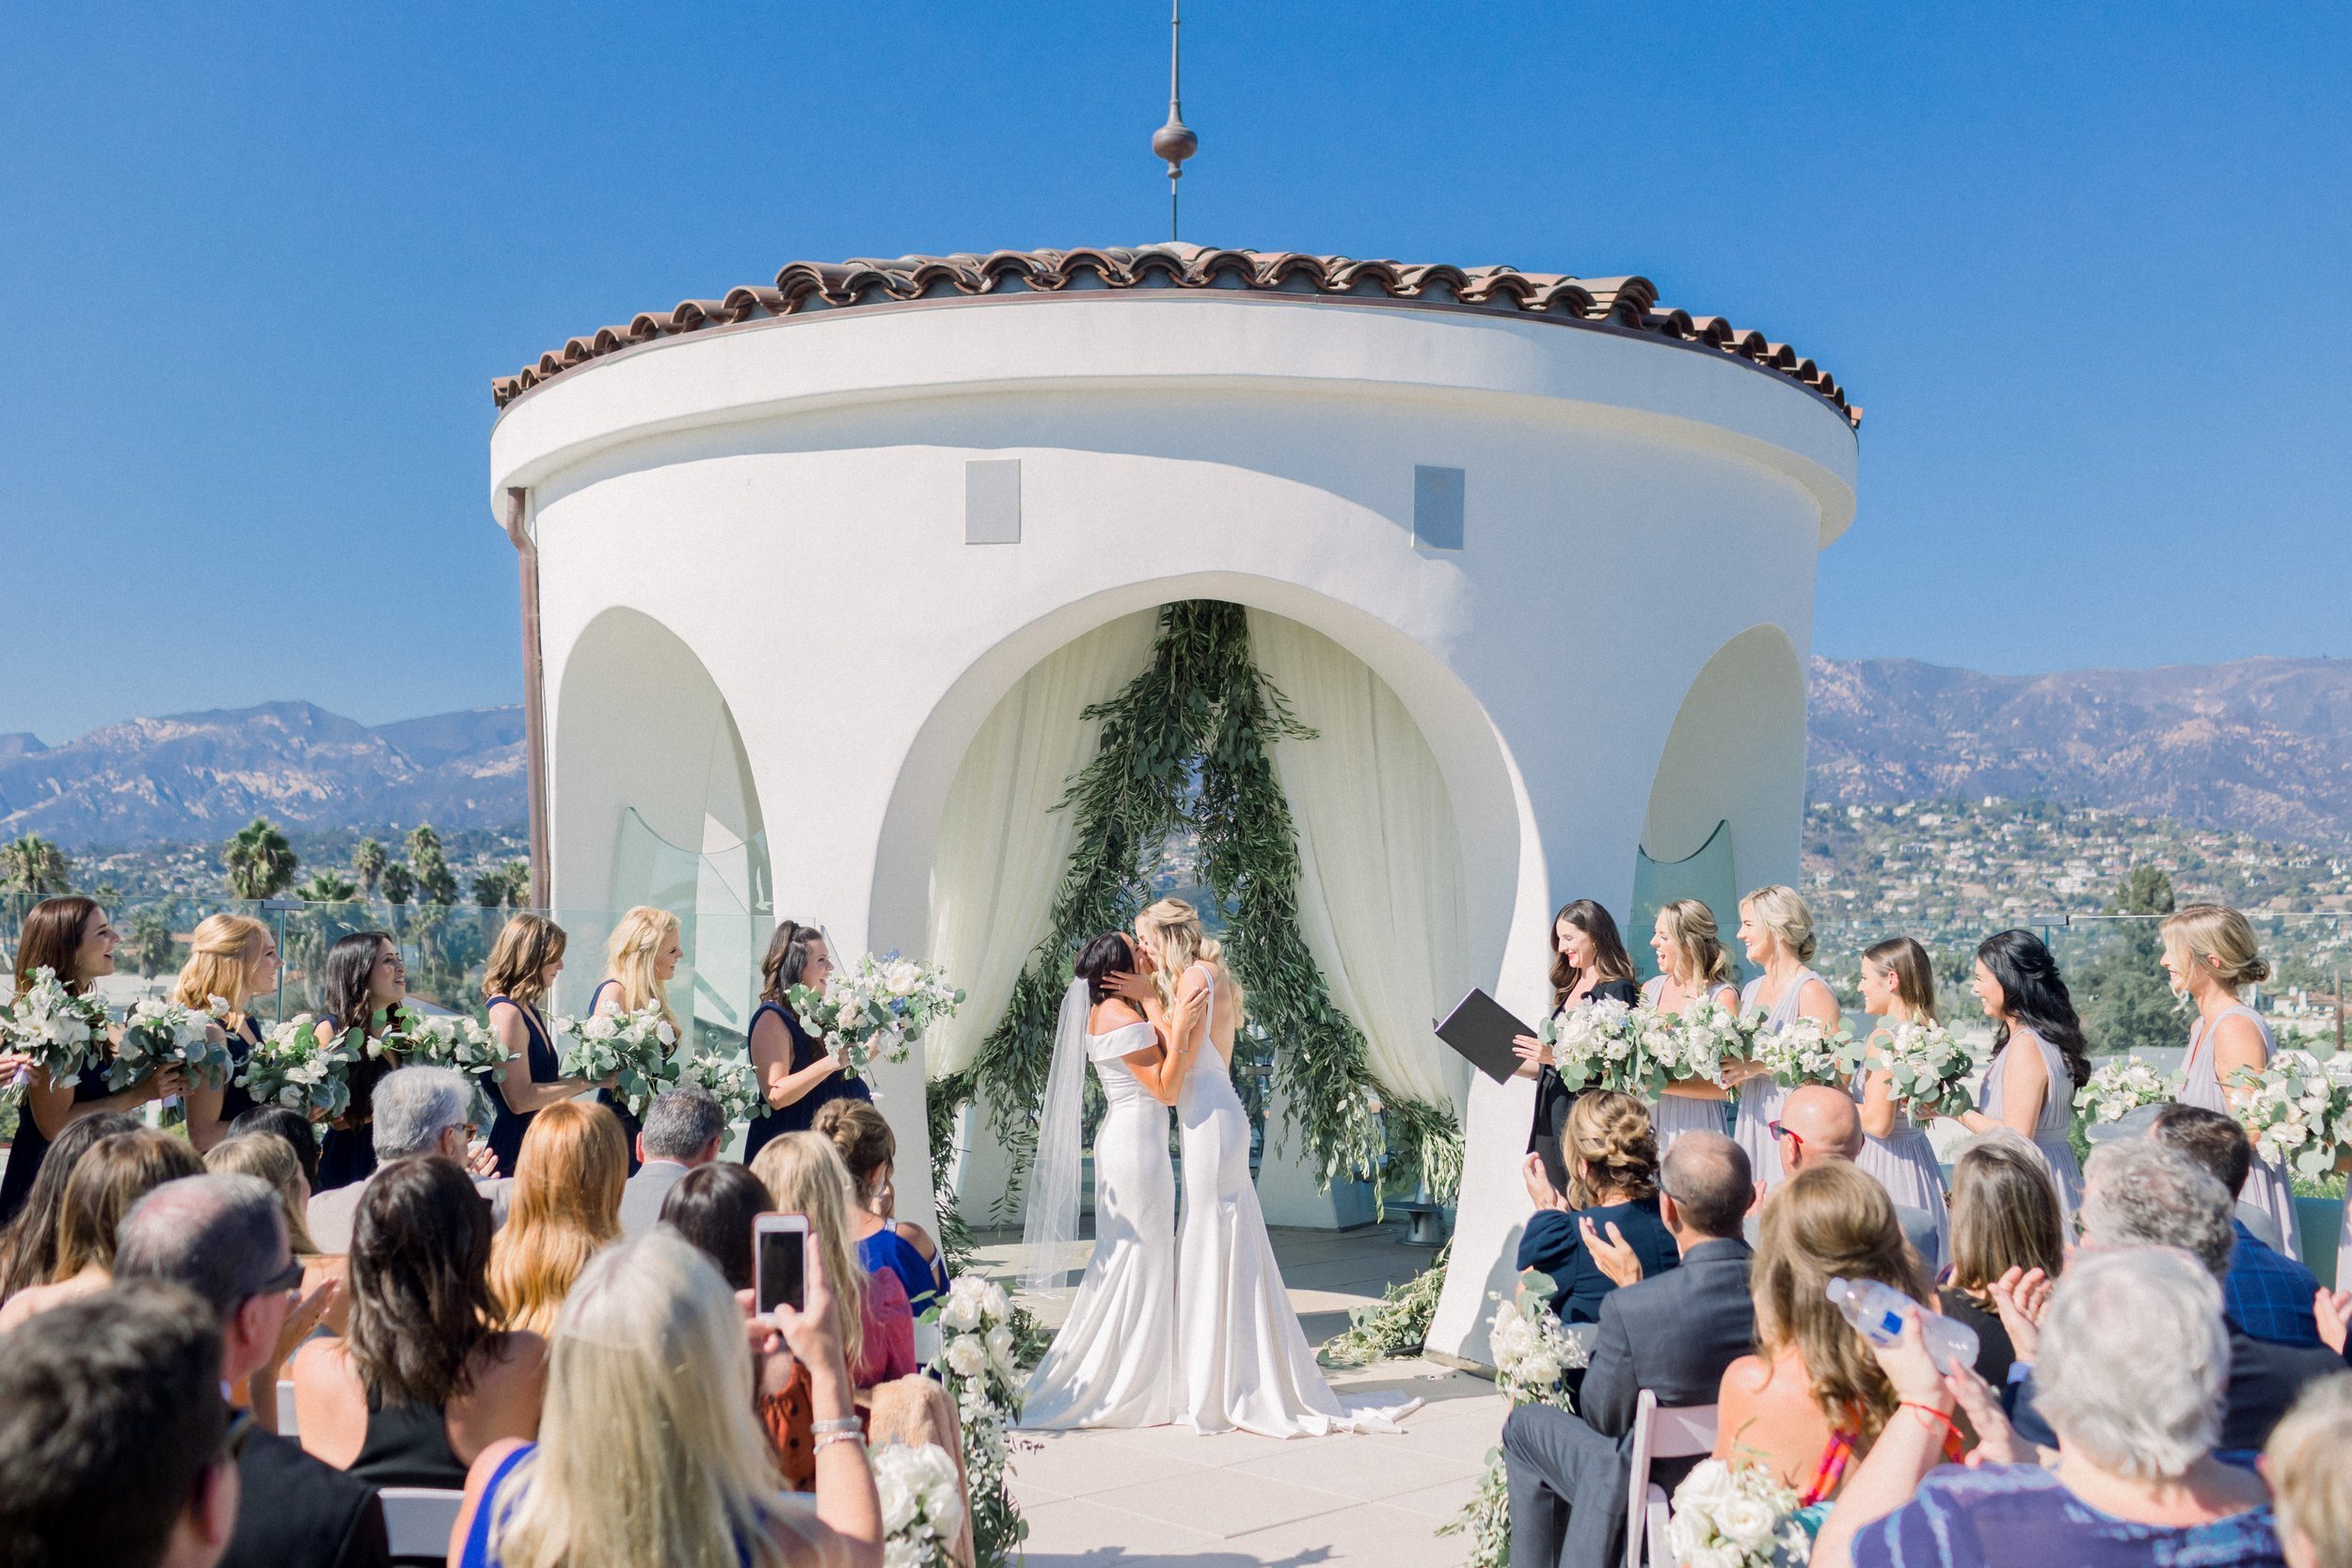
[[2084, 267]]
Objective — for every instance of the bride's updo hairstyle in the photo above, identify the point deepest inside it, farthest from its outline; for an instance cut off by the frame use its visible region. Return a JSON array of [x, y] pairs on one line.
[[1112, 953], [1172, 929], [1610, 1143]]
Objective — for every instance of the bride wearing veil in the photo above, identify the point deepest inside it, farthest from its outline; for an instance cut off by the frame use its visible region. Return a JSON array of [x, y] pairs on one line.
[[1113, 1362]]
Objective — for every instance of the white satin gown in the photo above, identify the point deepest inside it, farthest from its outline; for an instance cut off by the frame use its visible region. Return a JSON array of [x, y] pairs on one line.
[[1113, 1362], [1244, 1358]]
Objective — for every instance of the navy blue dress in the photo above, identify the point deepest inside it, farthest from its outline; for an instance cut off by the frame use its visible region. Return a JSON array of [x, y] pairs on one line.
[[508, 1127], [631, 1126], [235, 1099], [347, 1154], [1554, 1244], [32, 1144], [800, 1114]]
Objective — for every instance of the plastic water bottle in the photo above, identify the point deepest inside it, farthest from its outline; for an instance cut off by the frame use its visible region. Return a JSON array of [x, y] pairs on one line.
[[1877, 1312]]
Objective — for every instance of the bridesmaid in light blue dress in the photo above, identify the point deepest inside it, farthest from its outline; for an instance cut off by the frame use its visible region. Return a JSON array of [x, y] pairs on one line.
[[2038, 1060], [1776, 930], [1692, 968], [1898, 985], [2209, 954]]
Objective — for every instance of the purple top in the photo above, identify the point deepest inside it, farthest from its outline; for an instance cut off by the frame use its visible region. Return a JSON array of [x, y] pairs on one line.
[[2020, 1516]]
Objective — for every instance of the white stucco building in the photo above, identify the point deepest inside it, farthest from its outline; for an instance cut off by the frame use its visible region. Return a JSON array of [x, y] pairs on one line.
[[793, 547]]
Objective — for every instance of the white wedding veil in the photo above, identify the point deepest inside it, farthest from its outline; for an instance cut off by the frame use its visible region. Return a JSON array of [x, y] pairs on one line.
[[1051, 1225]]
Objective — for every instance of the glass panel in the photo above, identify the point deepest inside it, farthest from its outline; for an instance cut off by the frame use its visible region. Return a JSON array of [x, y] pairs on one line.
[[1705, 874]]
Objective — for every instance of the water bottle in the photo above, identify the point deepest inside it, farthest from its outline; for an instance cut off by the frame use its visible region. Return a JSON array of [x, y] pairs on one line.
[[1877, 1312]]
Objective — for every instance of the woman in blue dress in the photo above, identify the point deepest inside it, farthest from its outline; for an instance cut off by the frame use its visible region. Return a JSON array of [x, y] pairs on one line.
[[870, 1151], [524, 962], [798, 1076]]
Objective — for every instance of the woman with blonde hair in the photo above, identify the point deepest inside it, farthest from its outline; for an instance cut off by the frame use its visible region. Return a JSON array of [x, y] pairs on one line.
[[803, 1175], [516, 984], [647, 1454], [1776, 931], [232, 959], [117, 1171], [566, 1204], [1613, 1188], [1812, 1398], [2210, 956], [273, 1159], [72, 938], [1692, 968], [640, 957], [1898, 985]]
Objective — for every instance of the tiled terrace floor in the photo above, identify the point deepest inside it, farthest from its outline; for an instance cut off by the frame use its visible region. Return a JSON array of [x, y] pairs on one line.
[[1166, 1496]]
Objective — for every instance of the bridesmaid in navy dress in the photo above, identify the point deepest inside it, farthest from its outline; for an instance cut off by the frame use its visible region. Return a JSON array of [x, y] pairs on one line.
[[524, 962], [232, 960], [73, 938], [365, 980], [643, 951], [796, 1074]]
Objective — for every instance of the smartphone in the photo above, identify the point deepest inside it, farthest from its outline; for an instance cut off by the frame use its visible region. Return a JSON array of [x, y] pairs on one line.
[[779, 1260]]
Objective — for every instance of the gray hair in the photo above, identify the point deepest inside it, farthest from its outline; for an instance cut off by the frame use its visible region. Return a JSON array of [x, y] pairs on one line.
[[415, 1105], [680, 1124], [2140, 1193], [222, 1235], [2135, 1360]]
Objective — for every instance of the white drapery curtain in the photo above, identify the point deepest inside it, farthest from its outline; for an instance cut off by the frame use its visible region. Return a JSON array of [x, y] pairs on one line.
[[1002, 846], [1380, 887]]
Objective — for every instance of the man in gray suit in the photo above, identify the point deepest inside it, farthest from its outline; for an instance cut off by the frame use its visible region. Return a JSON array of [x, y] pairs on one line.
[[419, 1110], [683, 1129], [1818, 1124], [1672, 1335]]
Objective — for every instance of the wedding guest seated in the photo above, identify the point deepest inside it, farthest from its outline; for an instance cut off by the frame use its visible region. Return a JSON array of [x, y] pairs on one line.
[[2266, 1292], [1612, 1157], [2140, 1193], [1818, 1123], [649, 1396], [28, 1245], [114, 1445], [300, 1134], [803, 1175], [114, 1173], [224, 1237], [1812, 1398], [713, 1206], [1672, 1335], [2311, 1485], [273, 1159], [416, 1110], [2134, 1363], [2004, 1217], [683, 1129], [420, 1383], [566, 1204], [870, 1151]]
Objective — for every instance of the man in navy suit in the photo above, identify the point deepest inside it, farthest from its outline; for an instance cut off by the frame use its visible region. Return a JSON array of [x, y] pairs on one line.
[[1672, 1335], [2266, 1292]]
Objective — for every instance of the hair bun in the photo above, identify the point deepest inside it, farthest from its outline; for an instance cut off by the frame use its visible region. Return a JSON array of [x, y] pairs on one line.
[[830, 1115]]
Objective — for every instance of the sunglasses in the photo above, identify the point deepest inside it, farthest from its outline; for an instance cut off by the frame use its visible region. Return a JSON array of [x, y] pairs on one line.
[[1779, 1132], [240, 1429], [284, 1282]]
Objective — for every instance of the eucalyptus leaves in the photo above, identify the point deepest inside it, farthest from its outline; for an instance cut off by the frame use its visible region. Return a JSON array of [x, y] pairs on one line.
[[298, 1065], [1929, 1065], [61, 1032], [158, 1033], [629, 1050], [876, 1007]]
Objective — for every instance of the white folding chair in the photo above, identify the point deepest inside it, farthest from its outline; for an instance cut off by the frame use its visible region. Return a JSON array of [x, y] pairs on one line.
[[285, 1408], [420, 1519], [1660, 1432]]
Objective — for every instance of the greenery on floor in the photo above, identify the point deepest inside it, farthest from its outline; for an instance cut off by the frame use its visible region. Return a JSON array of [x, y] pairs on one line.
[[1397, 1325]]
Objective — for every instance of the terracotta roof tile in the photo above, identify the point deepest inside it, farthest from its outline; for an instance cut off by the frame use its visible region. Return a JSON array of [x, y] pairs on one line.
[[1618, 304]]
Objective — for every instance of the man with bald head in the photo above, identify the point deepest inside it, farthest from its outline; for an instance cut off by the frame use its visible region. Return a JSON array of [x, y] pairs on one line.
[[1819, 1124]]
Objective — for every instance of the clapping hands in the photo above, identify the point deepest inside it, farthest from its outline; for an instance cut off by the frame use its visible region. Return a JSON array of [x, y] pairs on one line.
[[2333, 1311], [2022, 1296]]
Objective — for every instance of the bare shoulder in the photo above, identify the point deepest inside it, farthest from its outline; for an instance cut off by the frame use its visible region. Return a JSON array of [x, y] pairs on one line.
[[1744, 1380], [1113, 1013], [517, 1352], [2239, 1034], [916, 1237]]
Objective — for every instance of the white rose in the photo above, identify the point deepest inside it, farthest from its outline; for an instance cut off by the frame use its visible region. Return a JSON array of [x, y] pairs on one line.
[[898, 1500], [1716, 1557], [966, 1356], [994, 1301], [999, 1341], [897, 1553], [1748, 1522]]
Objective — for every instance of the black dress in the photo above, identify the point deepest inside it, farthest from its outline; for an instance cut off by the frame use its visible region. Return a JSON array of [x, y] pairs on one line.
[[235, 1099], [32, 1144], [631, 1126], [347, 1154], [1553, 1098], [508, 1127], [800, 1114]]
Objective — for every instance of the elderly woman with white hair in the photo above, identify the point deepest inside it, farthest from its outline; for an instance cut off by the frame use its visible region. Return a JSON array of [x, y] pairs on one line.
[[2134, 1364]]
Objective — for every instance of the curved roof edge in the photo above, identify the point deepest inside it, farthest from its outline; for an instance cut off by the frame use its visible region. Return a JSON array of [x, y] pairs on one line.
[[1620, 304]]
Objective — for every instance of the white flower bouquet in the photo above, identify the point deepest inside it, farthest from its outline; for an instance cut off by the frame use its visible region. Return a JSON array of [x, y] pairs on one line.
[[728, 1080], [1803, 1051], [2297, 1110], [921, 1508], [1708, 1035], [2121, 1086], [631, 1049], [62, 1032], [1727, 1518], [158, 1033], [441, 1039], [294, 1066], [977, 1364], [1609, 1045], [1930, 1068], [876, 1007], [1532, 1355]]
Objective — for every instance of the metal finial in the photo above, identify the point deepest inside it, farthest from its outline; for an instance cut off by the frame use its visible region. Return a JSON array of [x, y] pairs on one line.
[[1174, 141]]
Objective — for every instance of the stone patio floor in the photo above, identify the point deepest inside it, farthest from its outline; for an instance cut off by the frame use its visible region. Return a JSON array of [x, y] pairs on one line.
[[1164, 1495]]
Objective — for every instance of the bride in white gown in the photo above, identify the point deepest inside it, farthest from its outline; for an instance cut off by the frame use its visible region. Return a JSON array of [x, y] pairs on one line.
[[1243, 1359], [1113, 1362]]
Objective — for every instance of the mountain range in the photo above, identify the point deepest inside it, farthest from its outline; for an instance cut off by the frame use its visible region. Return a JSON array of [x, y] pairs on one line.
[[2263, 746]]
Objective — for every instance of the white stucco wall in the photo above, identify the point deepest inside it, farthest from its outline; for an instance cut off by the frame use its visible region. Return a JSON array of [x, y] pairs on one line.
[[787, 499]]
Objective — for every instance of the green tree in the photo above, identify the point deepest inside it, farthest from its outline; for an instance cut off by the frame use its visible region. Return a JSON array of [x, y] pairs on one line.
[[328, 887], [435, 883], [153, 950], [399, 882], [503, 885], [260, 863], [368, 861], [34, 866], [2125, 1001]]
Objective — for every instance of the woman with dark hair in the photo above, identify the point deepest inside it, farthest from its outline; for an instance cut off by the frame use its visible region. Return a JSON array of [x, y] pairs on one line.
[[713, 1206], [2037, 1055], [797, 1075], [293, 1126], [420, 1383], [1589, 963], [365, 980], [117, 1171], [519, 977], [29, 1244], [69, 937]]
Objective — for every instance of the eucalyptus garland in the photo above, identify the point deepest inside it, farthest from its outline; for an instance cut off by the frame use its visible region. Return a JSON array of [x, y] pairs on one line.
[[1396, 1325]]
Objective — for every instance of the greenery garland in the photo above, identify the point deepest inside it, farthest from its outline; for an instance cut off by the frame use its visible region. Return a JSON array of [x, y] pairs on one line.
[[1397, 1325]]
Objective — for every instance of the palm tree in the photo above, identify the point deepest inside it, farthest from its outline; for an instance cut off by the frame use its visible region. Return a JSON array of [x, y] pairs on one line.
[[368, 859], [433, 879], [399, 882], [260, 864], [34, 866], [328, 887], [153, 950]]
